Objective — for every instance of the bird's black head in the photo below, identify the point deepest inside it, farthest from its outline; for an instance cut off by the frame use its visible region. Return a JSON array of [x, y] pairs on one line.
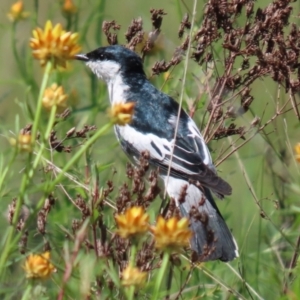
[[107, 62]]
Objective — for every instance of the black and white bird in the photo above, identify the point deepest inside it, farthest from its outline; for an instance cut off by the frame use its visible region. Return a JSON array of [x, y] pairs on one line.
[[153, 129]]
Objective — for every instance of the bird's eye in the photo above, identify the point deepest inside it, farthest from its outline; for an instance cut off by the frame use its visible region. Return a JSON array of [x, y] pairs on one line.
[[104, 56]]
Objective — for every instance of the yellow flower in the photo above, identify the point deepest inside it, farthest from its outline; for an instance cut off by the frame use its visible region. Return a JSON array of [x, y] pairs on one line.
[[133, 223], [171, 234], [133, 276], [39, 266], [54, 44], [17, 12], [121, 113], [54, 95], [297, 152], [23, 142], [69, 8]]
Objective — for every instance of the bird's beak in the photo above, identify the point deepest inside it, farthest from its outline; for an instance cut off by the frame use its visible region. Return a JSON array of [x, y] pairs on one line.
[[82, 57]]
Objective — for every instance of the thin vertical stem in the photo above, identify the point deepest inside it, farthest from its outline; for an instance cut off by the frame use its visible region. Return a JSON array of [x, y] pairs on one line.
[[161, 275], [27, 174]]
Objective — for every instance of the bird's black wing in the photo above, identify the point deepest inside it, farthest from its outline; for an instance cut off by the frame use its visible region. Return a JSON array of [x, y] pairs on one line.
[[190, 159], [189, 164], [153, 129]]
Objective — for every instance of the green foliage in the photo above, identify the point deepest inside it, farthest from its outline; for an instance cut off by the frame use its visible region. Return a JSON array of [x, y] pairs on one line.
[[60, 191]]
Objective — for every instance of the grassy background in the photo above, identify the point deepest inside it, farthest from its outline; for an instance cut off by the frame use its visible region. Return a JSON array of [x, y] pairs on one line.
[[266, 244]]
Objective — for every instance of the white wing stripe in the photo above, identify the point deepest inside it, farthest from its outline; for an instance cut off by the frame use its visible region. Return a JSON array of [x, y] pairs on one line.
[[142, 142], [195, 133]]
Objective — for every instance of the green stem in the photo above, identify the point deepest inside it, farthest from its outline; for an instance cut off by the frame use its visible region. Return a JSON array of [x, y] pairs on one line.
[[29, 80], [26, 176], [183, 84], [179, 10], [38, 111], [130, 293], [133, 254], [161, 275], [8, 167], [46, 137], [36, 10], [24, 184], [50, 122], [28, 292], [76, 157], [131, 289], [100, 7], [16, 55]]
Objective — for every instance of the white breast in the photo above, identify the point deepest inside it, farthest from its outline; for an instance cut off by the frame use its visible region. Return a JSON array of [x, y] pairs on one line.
[[109, 72]]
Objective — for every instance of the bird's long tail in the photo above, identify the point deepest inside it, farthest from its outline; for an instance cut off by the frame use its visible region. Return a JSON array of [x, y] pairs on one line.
[[212, 238]]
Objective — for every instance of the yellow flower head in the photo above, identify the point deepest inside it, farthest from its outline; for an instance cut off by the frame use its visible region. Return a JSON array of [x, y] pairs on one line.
[[133, 223], [38, 266], [69, 8], [55, 44], [171, 234], [297, 152], [54, 95], [133, 276], [121, 113], [23, 142], [17, 12]]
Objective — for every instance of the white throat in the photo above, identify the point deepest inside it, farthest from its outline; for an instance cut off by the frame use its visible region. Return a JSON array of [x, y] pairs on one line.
[[110, 73]]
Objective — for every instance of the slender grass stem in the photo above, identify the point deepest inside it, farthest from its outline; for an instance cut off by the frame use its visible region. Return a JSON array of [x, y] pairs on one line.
[[15, 52], [43, 143], [8, 245], [132, 264], [133, 253], [50, 122], [76, 157], [38, 111], [8, 167], [28, 292], [29, 80], [161, 274], [186, 63]]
